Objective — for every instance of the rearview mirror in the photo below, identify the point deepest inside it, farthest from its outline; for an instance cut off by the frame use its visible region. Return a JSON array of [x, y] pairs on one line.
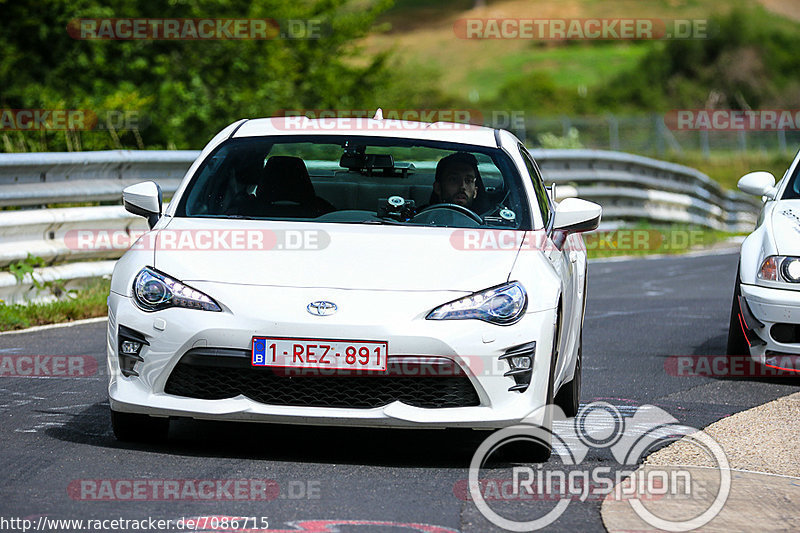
[[143, 199], [759, 183], [573, 215]]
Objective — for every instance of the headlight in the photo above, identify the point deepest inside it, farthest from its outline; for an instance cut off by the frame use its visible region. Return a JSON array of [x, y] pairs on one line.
[[790, 268], [780, 268], [501, 305], [153, 291]]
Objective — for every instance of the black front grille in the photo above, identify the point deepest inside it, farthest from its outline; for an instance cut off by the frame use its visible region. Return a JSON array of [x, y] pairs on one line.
[[209, 374]]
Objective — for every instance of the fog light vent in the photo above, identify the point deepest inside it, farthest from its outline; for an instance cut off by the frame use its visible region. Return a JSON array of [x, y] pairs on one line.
[[129, 347], [520, 362]]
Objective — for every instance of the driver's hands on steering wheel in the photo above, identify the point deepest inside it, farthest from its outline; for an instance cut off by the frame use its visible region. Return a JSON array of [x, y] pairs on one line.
[[455, 207]]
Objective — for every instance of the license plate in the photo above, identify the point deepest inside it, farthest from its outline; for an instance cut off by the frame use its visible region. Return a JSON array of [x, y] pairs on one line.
[[320, 353]]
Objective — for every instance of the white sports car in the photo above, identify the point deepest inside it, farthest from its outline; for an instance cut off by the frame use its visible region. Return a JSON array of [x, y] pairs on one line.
[[360, 272], [765, 313]]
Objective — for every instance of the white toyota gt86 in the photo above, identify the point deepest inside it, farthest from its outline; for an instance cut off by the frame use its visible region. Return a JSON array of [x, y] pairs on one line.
[[350, 272], [765, 313]]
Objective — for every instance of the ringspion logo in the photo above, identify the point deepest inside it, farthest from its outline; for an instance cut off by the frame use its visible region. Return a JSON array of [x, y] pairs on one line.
[[565, 478]]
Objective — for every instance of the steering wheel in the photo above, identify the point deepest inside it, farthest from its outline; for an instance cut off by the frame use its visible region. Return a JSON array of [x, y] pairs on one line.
[[455, 207]]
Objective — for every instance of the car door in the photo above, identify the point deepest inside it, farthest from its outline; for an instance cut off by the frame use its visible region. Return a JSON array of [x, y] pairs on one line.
[[561, 255]]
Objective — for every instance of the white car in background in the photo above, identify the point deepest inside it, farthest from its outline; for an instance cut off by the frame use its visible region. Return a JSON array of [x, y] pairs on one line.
[[765, 312], [374, 285]]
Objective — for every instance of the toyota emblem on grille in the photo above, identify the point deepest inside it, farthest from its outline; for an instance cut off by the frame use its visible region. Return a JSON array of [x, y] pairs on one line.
[[321, 308]]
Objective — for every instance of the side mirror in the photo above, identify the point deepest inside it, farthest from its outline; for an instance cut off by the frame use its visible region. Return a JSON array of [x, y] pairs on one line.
[[573, 215], [143, 199], [552, 190], [759, 183]]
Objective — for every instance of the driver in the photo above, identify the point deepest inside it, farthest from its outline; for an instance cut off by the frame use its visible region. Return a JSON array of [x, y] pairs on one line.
[[458, 182]]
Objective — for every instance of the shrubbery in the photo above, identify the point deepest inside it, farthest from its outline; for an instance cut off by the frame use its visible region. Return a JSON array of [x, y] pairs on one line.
[[182, 92], [749, 60]]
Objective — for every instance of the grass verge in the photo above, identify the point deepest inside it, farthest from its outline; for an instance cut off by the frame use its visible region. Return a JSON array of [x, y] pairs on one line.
[[89, 302]]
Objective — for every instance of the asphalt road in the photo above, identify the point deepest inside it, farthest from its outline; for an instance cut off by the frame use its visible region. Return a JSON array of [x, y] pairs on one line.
[[55, 432]]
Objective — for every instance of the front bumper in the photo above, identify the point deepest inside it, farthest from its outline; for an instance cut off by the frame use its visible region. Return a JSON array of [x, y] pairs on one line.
[[777, 314], [474, 346]]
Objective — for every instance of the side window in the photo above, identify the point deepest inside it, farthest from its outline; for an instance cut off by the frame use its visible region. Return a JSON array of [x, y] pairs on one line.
[[538, 186]]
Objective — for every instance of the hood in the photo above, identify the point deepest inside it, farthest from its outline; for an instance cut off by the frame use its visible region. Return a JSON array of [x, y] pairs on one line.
[[786, 227], [343, 256]]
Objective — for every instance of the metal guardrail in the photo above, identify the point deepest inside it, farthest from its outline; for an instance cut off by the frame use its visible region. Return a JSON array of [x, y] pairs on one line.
[[635, 187], [70, 177], [43, 232], [629, 187]]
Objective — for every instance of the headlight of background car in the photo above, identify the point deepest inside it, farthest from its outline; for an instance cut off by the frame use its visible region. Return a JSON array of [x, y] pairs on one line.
[[501, 305], [153, 291], [780, 268]]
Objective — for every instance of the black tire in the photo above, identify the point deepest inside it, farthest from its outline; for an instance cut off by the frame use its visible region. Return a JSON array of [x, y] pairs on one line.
[[545, 449], [130, 427], [569, 395], [737, 344], [528, 451]]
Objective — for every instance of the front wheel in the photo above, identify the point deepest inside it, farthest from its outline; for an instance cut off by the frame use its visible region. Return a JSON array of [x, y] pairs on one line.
[[539, 449], [131, 427], [544, 447], [569, 395]]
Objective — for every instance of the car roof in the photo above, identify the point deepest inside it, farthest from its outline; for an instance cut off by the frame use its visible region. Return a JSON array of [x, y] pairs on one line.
[[368, 127]]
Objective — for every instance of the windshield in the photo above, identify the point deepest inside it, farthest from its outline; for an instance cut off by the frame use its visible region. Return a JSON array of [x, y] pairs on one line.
[[792, 191], [342, 179]]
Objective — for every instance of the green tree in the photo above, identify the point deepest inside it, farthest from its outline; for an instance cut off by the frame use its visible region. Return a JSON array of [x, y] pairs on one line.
[[182, 92]]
